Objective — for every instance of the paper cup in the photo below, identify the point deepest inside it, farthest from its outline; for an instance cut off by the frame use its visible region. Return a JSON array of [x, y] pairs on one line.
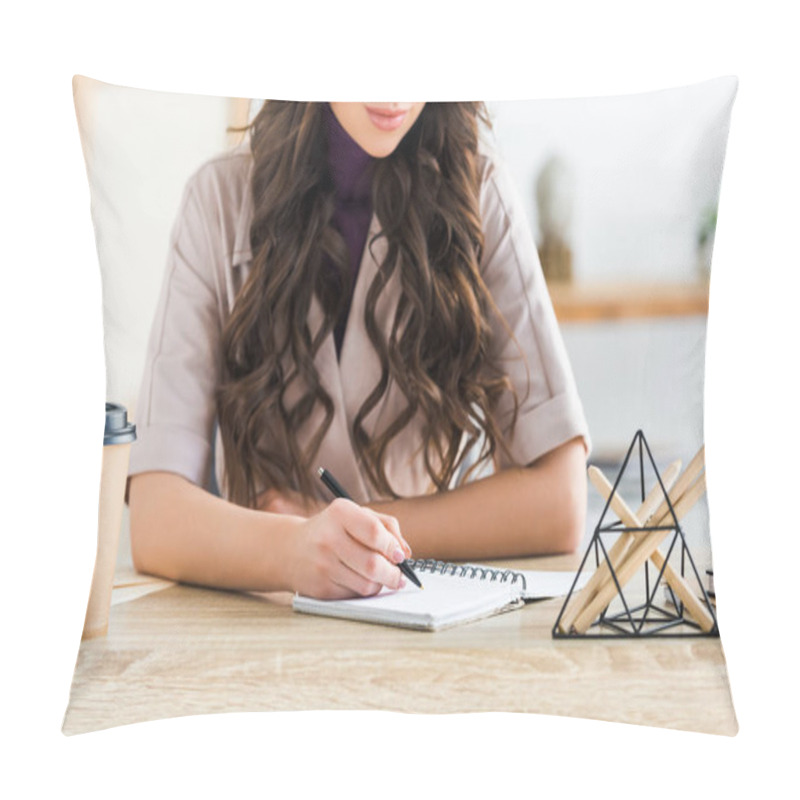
[[117, 438]]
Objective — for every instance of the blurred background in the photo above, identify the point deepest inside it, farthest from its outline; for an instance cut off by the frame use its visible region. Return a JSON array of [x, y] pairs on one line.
[[621, 194]]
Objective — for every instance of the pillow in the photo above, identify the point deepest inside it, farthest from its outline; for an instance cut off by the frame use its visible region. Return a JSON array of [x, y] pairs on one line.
[[620, 195]]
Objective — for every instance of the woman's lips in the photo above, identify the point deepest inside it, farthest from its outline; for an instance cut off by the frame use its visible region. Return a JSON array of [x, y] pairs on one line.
[[386, 120]]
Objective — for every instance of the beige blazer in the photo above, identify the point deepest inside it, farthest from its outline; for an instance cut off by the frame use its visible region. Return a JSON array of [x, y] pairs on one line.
[[208, 262]]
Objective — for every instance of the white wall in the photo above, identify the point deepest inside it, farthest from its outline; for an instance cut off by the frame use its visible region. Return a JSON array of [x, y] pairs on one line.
[[140, 147], [645, 170]]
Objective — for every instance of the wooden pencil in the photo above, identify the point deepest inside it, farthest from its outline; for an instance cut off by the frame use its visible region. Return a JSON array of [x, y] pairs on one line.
[[617, 551], [641, 550], [674, 579]]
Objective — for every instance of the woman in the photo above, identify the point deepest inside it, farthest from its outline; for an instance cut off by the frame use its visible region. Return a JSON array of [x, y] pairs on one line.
[[357, 290]]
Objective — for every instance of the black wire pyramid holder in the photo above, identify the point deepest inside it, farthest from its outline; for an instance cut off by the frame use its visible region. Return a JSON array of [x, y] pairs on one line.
[[649, 618]]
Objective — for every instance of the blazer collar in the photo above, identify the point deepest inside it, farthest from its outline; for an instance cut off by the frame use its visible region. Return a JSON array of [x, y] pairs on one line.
[[356, 373]]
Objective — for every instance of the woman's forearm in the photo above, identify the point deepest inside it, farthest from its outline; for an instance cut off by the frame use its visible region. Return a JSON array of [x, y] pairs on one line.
[[180, 532], [535, 510]]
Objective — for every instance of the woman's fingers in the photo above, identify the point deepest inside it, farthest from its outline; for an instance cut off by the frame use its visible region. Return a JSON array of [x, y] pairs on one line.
[[351, 583], [370, 568], [394, 527], [366, 527]]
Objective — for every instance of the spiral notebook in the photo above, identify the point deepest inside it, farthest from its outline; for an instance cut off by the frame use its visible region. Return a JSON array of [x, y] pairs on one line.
[[453, 594]]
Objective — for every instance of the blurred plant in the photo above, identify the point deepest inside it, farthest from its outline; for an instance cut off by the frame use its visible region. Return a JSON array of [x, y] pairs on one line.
[[708, 226], [705, 239], [555, 199]]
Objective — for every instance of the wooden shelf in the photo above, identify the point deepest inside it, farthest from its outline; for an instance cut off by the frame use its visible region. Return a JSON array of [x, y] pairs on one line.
[[585, 302]]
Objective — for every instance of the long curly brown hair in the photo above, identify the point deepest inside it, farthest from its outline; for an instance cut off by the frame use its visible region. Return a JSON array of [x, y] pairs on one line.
[[426, 198]]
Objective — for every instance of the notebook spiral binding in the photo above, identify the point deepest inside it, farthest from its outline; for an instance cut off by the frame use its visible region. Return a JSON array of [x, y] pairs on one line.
[[468, 571]]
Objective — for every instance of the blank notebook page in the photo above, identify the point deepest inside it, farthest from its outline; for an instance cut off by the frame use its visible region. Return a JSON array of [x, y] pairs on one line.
[[446, 600]]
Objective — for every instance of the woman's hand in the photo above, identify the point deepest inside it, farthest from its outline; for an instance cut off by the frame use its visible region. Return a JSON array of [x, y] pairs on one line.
[[346, 550]]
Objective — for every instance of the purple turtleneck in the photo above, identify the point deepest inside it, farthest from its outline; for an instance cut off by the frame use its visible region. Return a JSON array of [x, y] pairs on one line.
[[352, 177]]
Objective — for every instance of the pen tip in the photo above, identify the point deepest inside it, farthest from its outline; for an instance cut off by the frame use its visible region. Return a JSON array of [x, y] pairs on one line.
[[320, 470]]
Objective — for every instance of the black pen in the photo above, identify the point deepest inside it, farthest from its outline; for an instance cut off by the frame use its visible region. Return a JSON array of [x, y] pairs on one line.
[[339, 491]]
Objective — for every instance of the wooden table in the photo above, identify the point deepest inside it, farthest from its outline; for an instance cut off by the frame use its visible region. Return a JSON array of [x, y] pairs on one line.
[[184, 650]]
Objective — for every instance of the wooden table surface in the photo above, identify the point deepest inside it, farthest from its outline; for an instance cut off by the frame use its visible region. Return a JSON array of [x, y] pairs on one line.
[[182, 650]]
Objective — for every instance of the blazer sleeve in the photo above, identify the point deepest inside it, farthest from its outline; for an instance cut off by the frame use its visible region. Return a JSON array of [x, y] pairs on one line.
[[526, 340], [177, 406]]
